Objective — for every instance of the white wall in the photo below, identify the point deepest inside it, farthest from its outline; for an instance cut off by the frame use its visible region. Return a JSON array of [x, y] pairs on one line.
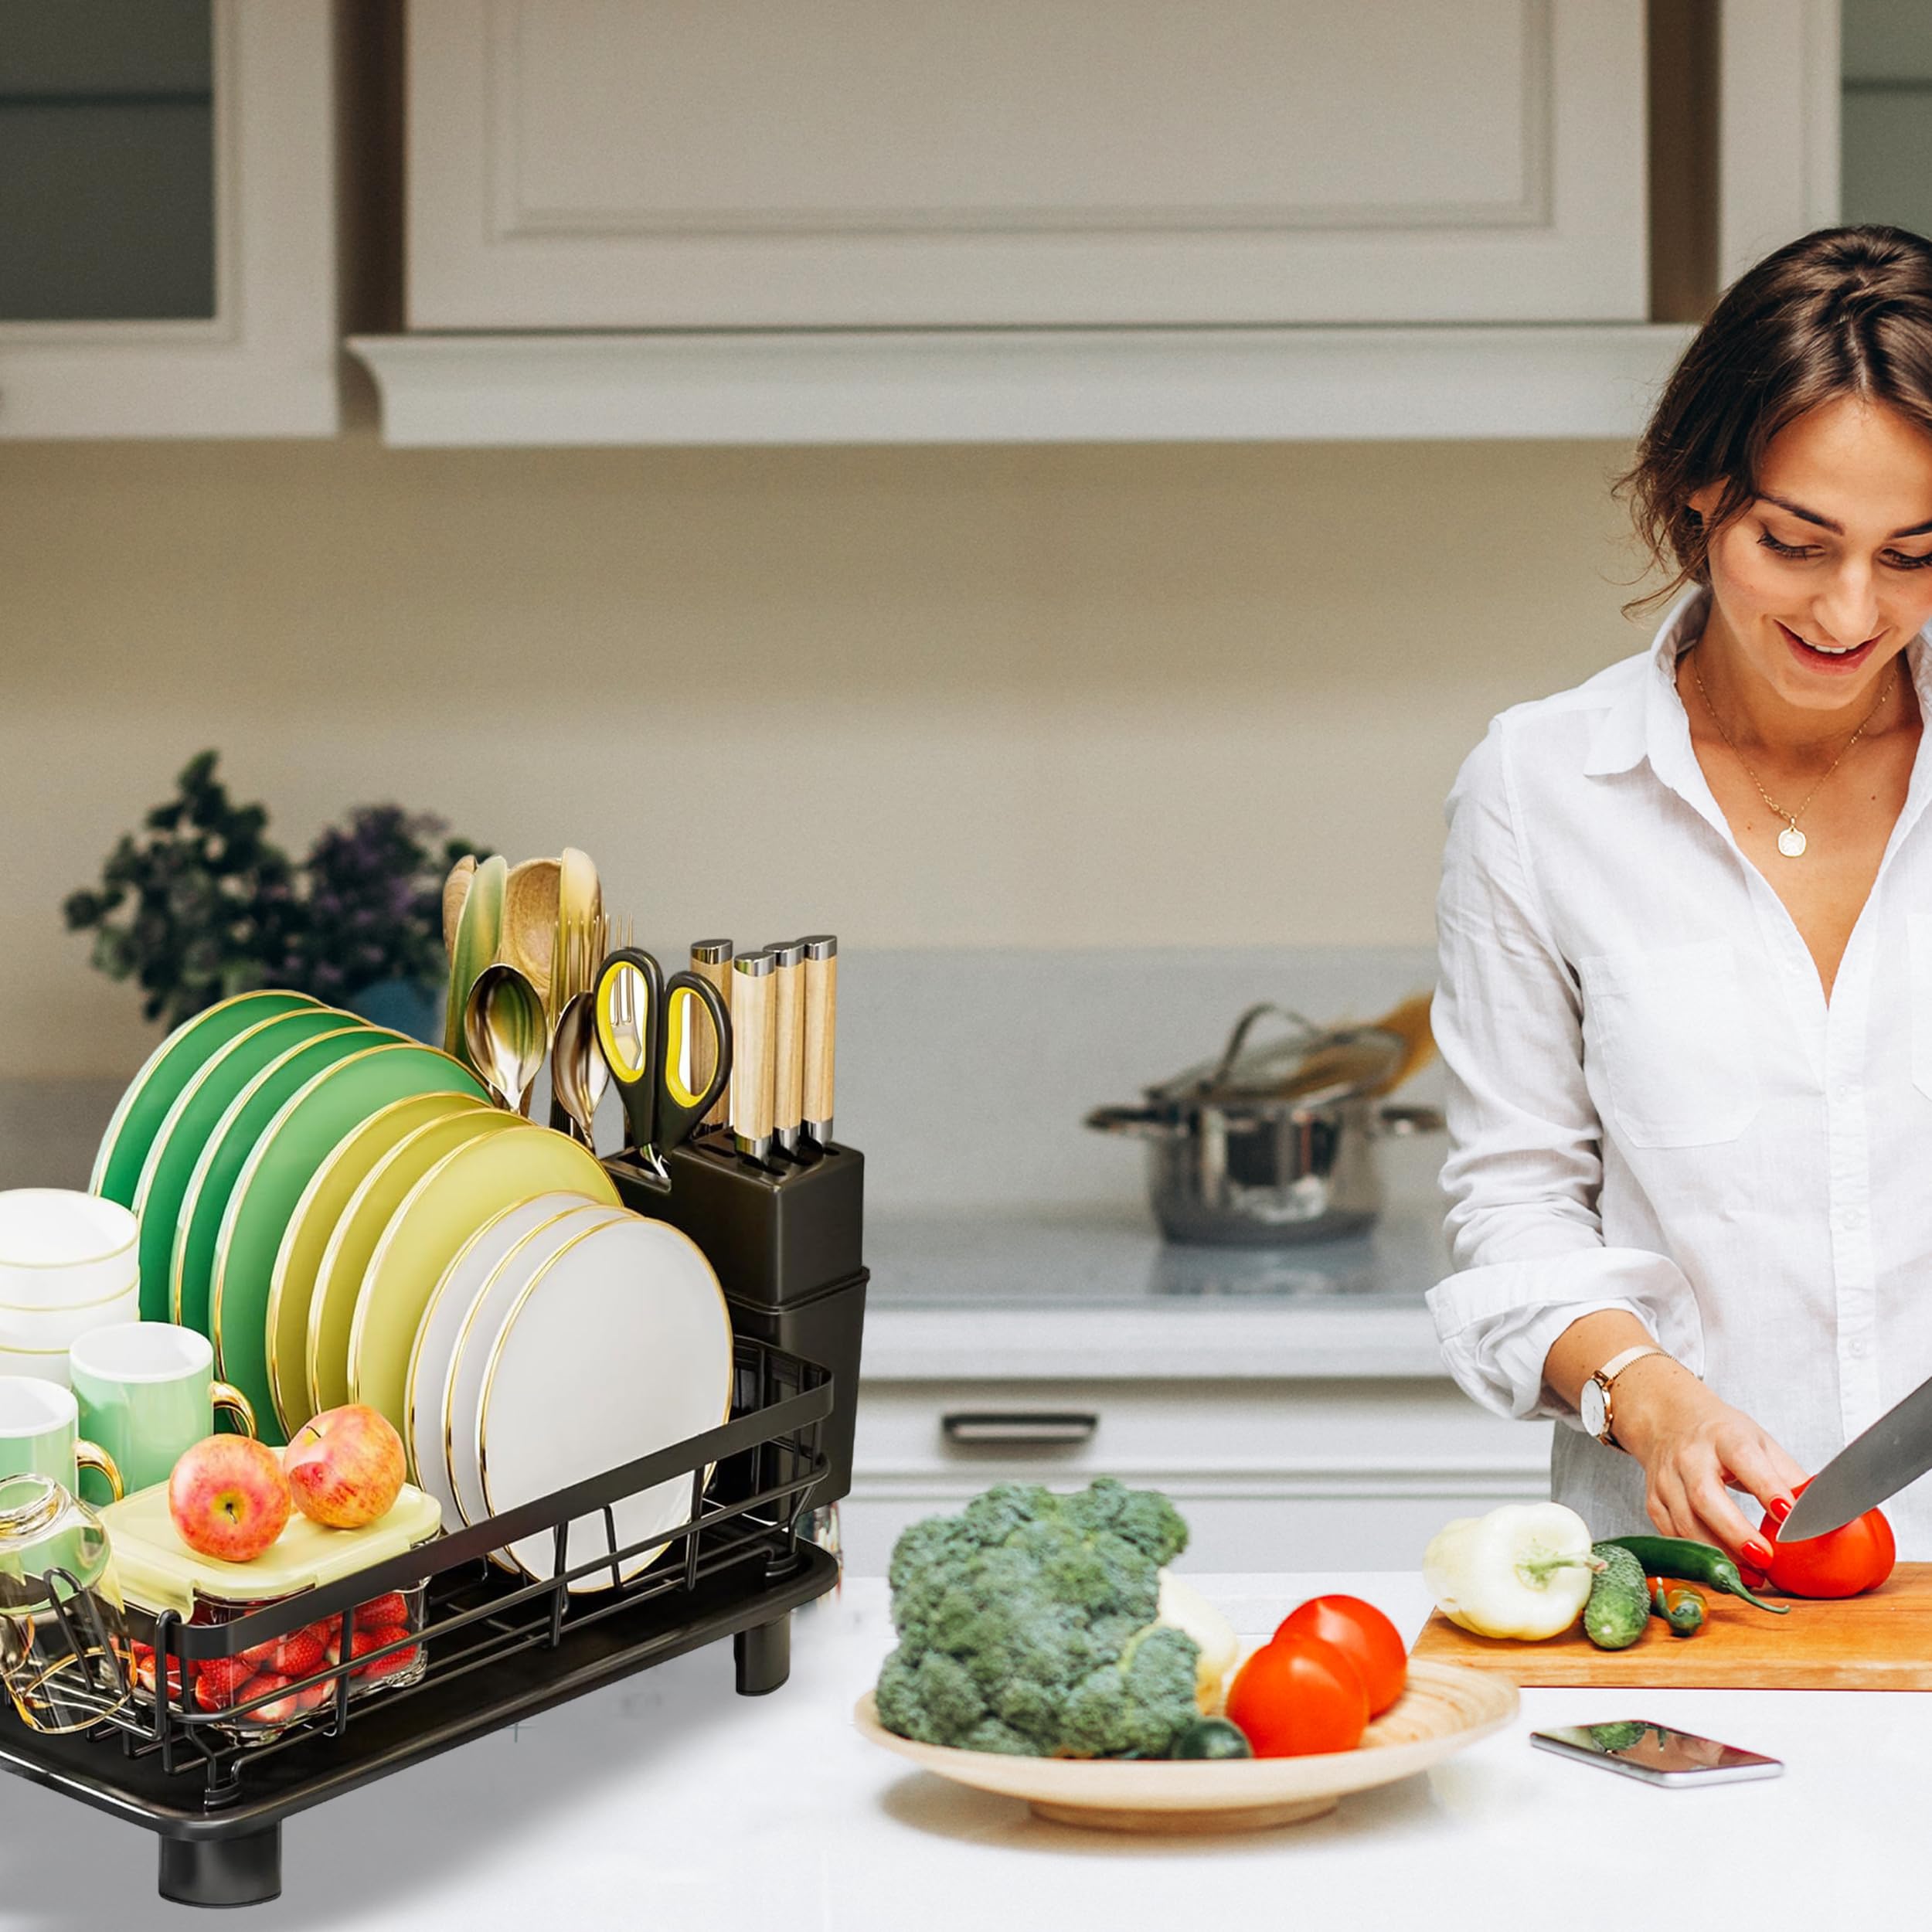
[[1033, 698]]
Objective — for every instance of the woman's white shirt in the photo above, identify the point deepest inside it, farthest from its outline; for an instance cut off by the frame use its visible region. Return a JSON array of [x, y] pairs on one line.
[[1650, 1105]]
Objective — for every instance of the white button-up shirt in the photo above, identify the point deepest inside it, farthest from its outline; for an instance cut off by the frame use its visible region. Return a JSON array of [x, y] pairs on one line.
[[1652, 1106]]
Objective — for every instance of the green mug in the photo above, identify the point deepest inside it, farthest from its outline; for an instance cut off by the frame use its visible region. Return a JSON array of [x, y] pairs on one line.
[[146, 1392], [40, 1436]]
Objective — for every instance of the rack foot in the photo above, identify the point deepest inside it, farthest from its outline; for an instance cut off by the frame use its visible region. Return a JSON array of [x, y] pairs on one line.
[[763, 1655], [245, 1869]]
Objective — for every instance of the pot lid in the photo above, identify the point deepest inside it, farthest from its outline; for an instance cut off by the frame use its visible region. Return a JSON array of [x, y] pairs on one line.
[[1305, 1062]]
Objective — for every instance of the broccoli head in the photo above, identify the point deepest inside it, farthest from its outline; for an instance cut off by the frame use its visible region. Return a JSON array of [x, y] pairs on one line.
[[1026, 1624]]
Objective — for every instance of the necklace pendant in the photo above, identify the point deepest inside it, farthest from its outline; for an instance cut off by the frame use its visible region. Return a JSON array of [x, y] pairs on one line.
[[1791, 842]]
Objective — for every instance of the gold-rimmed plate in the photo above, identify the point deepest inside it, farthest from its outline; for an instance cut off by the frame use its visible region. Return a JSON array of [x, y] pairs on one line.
[[359, 1229], [306, 1239], [155, 1087], [620, 1346], [440, 1212]]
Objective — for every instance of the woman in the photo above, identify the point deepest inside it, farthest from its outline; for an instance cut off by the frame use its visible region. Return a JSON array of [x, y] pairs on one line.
[[1685, 929]]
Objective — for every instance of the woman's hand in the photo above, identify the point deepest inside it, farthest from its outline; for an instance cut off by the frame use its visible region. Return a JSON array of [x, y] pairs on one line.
[[1692, 1446]]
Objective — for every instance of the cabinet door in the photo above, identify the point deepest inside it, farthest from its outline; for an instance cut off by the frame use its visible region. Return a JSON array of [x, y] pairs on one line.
[[166, 219], [613, 164], [1282, 1475]]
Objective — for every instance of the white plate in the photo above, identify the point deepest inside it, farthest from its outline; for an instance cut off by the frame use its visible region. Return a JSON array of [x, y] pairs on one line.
[[621, 1344], [487, 1310], [432, 1355]]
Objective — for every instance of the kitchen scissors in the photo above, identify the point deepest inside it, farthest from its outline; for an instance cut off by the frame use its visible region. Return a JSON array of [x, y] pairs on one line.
[[647, 1027]]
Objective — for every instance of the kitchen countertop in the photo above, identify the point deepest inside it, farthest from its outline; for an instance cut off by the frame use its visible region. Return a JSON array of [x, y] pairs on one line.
[[667, 1801], [1100, 1293]]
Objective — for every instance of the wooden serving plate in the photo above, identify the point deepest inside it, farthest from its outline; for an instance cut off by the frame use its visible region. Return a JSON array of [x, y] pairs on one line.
[[1445, 1709], [1881, 1641]]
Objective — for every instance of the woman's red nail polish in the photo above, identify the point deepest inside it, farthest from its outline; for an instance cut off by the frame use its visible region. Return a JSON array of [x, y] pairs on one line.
[[1759, 1553], [1781, 1508]]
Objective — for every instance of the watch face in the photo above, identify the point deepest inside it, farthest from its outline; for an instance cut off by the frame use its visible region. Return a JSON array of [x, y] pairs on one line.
[[1592, 1407]]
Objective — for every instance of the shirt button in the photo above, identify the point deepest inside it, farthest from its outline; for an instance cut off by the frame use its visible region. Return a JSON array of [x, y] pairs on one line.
[[1851, 1217], [1855, 1348]]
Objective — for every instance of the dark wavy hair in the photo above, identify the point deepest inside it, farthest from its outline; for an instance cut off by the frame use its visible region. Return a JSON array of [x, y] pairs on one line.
[[1844, 311]]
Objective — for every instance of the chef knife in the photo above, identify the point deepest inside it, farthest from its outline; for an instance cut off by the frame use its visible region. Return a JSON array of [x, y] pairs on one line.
[[711, 959], [788, 1035], [1895, 1450], [821, 971], [753, 1062]]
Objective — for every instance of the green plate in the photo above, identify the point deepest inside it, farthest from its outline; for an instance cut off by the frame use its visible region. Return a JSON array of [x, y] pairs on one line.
[[163, 1074], [191, 1265], [309, 1128], [305, 1240], [338, 1282], [196, 1113]]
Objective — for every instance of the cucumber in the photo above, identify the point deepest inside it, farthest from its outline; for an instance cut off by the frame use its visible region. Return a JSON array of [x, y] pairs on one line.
[[1213, 1737], [1619, 1605]]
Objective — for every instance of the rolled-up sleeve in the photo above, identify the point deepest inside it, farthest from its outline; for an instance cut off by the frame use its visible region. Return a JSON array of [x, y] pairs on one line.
[[1526, 1161]]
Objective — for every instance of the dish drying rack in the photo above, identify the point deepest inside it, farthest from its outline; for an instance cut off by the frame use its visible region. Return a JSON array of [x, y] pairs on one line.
[[500, 1647]]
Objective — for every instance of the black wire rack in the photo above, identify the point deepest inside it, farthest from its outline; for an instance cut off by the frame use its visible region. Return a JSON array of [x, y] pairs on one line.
[[499, 1647]]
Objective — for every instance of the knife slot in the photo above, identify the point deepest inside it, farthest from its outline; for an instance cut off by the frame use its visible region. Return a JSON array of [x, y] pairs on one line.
[[985, 1429]]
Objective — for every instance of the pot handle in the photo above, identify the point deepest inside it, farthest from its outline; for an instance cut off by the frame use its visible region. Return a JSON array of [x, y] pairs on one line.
[[1136, 1123], [1245, 1025], [1399, 1122]]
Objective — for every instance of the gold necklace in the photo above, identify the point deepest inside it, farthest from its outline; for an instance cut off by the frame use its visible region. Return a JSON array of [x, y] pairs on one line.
[[1790, 841]]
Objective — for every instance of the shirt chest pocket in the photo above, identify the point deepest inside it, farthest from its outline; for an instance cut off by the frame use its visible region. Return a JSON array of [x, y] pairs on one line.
[[1671, 1029]]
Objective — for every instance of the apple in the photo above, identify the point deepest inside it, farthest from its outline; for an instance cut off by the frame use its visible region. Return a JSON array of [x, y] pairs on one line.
[[228, 1498], [346, 1466]]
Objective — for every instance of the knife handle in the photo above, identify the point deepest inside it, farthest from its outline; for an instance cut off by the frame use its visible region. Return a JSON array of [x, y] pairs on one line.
[[711, 959], [753, 1061], [789, 1042], [821, 971]]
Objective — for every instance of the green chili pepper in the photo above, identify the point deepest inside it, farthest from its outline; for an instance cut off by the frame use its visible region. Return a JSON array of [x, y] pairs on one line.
[[1696, 1563]]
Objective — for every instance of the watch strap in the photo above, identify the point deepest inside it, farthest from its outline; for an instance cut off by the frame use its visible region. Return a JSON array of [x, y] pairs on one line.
[[1606, 1375]]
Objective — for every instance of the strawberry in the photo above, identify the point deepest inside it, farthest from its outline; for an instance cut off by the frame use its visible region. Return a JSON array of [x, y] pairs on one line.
[[278, 1710], [300, 1654], [380, 1612], [397, 1660], [143, 1671], [220, 1681], [314, 1697]]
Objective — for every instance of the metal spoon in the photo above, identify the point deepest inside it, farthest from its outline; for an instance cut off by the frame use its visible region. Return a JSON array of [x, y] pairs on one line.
[[579, 1073], [504, 1028]]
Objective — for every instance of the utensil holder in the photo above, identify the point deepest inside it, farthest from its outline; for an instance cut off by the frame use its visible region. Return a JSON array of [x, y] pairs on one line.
[[787, 1241]]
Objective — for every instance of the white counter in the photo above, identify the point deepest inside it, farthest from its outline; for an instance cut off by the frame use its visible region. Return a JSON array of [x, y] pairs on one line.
[[668, 1803]]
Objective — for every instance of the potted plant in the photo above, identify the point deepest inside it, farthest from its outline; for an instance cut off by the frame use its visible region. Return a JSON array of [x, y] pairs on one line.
[[200, 905]]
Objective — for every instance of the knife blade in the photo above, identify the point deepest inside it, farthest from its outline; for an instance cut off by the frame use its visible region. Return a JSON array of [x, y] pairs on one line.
[[1895, 1450]]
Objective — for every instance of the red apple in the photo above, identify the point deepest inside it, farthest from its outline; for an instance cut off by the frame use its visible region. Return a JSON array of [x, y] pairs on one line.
[[228, 1498], [346, 1466]]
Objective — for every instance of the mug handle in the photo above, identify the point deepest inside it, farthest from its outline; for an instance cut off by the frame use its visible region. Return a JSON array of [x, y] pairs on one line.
[[225, 1395], [91, 1455]]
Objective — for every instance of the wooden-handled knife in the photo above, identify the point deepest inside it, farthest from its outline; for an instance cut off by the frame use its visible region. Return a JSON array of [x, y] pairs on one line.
[[754, 1061], [711, 959], [788, 1031], [821, 971]]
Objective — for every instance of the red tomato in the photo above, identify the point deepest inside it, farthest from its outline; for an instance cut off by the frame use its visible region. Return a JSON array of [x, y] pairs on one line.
[[1846, 1562], [1363, 1635], [1297, 1696]]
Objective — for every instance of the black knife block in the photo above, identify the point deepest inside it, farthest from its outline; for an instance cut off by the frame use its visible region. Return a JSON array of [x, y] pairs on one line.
[[787, 1241]]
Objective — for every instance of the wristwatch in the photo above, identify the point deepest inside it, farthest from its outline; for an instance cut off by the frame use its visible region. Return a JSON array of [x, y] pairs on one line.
[[1593, 1402]]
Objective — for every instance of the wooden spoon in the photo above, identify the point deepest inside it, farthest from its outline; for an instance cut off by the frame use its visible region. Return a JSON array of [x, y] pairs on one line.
[[456, 889], [529, 922]]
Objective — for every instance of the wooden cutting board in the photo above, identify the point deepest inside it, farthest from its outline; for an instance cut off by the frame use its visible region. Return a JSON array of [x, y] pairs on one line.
[[1882, 1641]]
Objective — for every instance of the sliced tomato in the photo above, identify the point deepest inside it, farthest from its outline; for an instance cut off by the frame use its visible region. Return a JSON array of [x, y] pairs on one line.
[[1296, 1695], [1363, 1635], [1842, 1563]]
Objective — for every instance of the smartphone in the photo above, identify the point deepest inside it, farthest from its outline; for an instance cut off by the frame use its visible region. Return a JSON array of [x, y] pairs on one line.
[[1657, 1753]]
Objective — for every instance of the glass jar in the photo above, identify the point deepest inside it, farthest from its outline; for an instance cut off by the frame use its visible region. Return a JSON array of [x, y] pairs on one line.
[[65, 1656]]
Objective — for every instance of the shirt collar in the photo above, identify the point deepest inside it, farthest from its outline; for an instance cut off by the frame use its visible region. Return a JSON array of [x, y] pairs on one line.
[[1647, 719]]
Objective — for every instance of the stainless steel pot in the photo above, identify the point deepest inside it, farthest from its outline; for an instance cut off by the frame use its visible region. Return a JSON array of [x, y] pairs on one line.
[[1267, 1147]]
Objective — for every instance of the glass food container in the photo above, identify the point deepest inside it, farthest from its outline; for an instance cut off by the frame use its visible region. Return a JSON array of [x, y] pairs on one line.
[[158, 1572]]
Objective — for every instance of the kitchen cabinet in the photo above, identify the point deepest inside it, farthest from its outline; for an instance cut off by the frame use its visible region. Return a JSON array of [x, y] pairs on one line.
[[191, 290], [1358, 1473], [595, 164], [1095, 220]]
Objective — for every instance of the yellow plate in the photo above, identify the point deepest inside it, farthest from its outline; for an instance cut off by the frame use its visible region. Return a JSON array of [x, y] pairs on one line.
[[300, 1256], [378, 1196], [444, 1209]]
